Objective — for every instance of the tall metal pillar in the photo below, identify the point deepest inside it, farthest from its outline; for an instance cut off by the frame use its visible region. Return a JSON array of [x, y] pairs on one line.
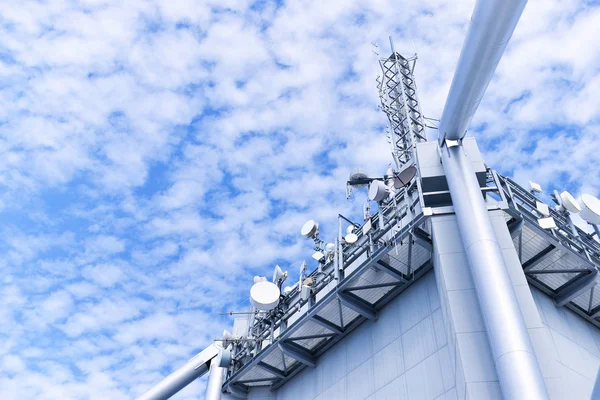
[[516, 364], [215, 382], [492, 25]]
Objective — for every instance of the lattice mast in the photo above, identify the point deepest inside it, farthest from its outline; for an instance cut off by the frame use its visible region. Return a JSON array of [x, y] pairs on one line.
[[398, 95]]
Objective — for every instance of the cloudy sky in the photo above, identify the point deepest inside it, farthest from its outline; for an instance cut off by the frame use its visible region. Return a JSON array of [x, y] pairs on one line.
[[156, 155]]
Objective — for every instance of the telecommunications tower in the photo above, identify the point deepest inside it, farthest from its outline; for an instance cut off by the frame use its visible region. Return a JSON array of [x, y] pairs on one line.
[[462, 285]]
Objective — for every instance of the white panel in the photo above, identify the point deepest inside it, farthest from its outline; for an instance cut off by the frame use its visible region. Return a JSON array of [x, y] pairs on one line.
[[413, 306], [476, 357], [432, 291], [464, 308], [554, 317], [394, 390], [420, 381], [502, 234], [359, 346], [447, 368], [360, 382], [581, 330], [389, 364], [439, 329], [446, 236], [457, 275], [449, 395], [484, 390], [418, 343], [387, 328], [336, 391], [514, 267], [332, 366], [529, 310], [546, 353]]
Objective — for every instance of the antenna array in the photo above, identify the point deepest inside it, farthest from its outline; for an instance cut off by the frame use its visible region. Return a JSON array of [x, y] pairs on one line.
[[398, 95]]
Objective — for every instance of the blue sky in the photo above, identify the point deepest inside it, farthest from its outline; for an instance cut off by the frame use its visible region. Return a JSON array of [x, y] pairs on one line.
[[157, 155]]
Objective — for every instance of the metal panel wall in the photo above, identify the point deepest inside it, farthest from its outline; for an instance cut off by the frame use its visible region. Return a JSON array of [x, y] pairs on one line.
[[404, 354]]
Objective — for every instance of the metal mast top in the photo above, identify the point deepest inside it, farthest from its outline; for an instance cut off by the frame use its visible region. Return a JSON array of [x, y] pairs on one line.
[[398, 95]]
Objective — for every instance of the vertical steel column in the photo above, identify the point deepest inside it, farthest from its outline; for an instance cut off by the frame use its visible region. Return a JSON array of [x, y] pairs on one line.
[[215, 381], [516, 364]]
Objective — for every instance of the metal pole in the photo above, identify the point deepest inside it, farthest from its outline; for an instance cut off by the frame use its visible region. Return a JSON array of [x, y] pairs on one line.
[[492, 25], [516, 364], [215, 382], [193, 369]]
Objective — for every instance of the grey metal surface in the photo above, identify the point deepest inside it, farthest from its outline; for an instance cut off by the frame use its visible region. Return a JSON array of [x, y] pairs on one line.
[[215, 382], [492, 25], [193, 369], [516, 364]]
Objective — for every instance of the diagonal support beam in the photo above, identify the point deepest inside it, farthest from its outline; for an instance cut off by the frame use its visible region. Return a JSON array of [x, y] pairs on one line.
[[327, 324], [422, 239], [538, 258], [391, 271], [575, 287], [360, 306], [272, 370], [298, 353], [557, 271]]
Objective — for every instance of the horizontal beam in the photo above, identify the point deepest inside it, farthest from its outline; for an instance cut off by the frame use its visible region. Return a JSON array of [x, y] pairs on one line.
[[308, 337], [557, 271], [356, 304], [373, 286], [422, 239], [297, 353], [538, 258], [327, 324], [391, 271]]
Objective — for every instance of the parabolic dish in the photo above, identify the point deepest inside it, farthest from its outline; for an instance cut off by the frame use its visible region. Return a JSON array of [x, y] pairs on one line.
[[309, 229], [403, 178], [377, 191], [590, 209], [569, 202], [264, 295], [351, 238], [358, 179]]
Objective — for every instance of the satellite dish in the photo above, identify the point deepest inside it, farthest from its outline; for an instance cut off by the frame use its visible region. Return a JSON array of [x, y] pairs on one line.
[[350, 229], [259, 279], [330, 247], [278, 274], [569, 202], [264, 295], [403, 178], [590, 209], [377, 191], [310, 229], [358, 179], [351, 238]]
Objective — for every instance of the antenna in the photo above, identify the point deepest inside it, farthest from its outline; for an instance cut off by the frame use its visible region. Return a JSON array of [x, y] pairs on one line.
[[569, 202], [590, 209], [264, 295]]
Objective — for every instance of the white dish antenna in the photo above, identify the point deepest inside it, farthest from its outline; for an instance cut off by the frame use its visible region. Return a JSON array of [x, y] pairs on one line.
[[569, 202], [378, 191], [310, 229], [403, 178], [278, 274], [351, 237], [590, 209], [264, 295], [358, 179]]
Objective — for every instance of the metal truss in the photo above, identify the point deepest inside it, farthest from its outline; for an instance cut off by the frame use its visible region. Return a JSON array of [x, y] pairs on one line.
[[398, 95]]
